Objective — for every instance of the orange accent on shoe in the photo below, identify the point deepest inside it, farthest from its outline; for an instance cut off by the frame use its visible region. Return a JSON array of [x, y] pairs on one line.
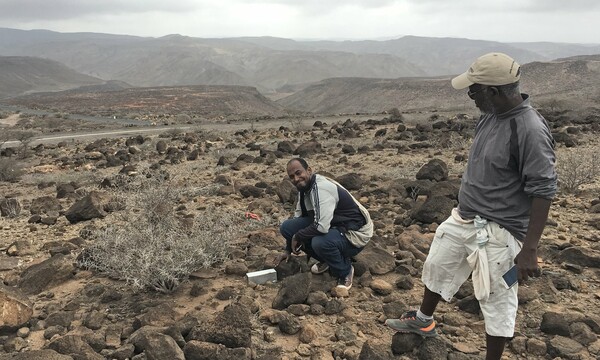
[[428, 328]]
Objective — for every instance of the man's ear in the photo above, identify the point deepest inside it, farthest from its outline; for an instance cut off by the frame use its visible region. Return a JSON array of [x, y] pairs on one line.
[[309, 169], [494, 90]]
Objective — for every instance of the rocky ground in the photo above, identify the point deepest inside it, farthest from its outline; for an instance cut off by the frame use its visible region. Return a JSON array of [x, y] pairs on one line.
[[408, 176]]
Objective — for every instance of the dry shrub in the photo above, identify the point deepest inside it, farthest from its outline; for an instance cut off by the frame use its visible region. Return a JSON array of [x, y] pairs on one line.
[[155, 249], [81, 178], [456, 142], [10, 170], [297, 124], [577, 167]]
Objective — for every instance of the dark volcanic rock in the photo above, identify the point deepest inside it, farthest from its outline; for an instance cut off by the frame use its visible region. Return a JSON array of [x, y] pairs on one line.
[[51, 272], [286, 147], [308, 148], [435, 210], [75, 346], [90, 207], [46, 354], [377, 260], [435, 170], [433, 349], [371, 351], [251, 191], [351, 181], [44, 205], [286, 191], [231, 327], [579, 256], [403, 343], [155, 345], [200, 350], [294, 290], [555, 324]]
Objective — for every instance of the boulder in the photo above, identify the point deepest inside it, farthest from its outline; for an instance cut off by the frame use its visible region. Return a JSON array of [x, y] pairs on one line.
[[231, 327], [200, 350], [251, 191], [64, 190], [403, 343], [308, 148], [433, 349], [76, 346], [564, 347], [44, 205], [579, 256], [435, 210], [435, 170], [294, 290], [289, 324], [15, 308], [39, 277], [348, 149], [286, 191], [89, 207], [161, 147], [351, 181], [377, 260], [286, 147], [372, 351], [46, 354], [156, 346], [161, 315], [555, 323]]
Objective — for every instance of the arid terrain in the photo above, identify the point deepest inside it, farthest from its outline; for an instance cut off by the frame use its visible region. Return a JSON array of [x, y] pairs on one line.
[[141, 179], [88, 227]]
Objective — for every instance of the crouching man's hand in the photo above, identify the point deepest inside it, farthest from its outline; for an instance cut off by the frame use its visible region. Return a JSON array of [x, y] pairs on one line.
[[283, 256], [296, 245]]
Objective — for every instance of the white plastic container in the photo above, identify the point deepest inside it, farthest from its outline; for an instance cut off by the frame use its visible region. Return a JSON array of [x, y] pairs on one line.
[[262, 276]]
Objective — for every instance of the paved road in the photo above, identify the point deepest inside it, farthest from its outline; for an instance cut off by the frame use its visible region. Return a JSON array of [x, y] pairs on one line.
[[125, 128], [92, 135], [98, 119]]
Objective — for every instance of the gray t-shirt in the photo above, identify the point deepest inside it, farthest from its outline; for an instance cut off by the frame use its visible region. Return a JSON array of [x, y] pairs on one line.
[[512, 160]]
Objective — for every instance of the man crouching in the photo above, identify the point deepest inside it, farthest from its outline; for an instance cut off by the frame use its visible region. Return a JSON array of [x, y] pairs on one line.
[[329, 224]]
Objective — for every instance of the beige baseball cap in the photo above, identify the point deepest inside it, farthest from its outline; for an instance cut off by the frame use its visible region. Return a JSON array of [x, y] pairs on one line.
[[492, 69]]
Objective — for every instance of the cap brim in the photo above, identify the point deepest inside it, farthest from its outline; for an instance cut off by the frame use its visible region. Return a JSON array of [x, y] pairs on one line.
[[461, 82]]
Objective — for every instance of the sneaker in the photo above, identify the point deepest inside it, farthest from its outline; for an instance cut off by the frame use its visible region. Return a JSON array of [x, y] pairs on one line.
[[346, 282], [319, 268], [409, 323]]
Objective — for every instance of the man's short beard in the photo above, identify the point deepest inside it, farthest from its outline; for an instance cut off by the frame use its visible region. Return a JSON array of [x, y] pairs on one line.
[[302, 188], [487, 107]]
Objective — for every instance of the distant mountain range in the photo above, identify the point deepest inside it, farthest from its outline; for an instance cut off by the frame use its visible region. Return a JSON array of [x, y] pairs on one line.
[[308, 76], [22, 75], [573, 81], [270, 64]]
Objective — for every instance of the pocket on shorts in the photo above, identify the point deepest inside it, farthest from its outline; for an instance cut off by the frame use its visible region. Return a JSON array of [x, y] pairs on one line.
[[439, 233], [499, 236]]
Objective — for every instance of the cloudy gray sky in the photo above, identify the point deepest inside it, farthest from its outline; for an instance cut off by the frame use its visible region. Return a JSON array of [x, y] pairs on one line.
[[508, 20]]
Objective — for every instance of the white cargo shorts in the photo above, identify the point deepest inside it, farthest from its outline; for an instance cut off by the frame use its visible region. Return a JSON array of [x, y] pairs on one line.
[[446, 269]]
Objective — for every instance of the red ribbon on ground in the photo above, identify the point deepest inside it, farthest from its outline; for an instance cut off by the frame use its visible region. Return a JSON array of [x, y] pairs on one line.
[[250, 215]]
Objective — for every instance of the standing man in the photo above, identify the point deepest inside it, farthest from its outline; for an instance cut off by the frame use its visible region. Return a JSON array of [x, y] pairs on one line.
[[329, 224], [504, 200]]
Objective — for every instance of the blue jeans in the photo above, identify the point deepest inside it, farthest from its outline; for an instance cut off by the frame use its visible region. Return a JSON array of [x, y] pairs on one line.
[[332, 248]]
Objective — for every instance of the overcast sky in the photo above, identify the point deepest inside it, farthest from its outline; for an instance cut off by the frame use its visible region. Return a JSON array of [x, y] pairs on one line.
[[509, 20]]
